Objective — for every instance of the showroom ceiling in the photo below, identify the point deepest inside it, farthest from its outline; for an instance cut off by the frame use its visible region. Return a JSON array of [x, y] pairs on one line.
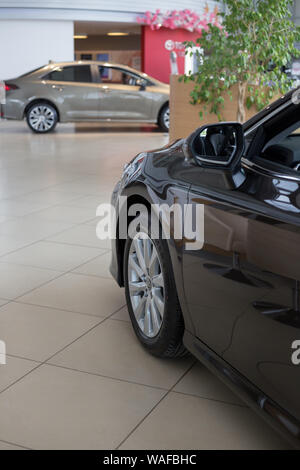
[[97, 28]]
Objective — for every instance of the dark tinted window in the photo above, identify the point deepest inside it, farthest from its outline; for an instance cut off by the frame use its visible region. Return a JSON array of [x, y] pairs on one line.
[[79, 73]]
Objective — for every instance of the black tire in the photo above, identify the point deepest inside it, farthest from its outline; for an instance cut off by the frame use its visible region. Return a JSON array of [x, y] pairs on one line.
[[164, 118], [168, 342], [47, 112]]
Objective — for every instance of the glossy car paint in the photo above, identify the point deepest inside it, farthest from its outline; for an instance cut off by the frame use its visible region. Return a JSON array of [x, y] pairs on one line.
[[95, 101], [252, 230]]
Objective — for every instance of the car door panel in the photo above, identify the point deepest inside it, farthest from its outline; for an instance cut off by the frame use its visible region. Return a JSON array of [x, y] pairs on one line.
[[124, 102], [261, 346], [74, 90], [251, 254], [121, 96], [215, 287], [77, 101]]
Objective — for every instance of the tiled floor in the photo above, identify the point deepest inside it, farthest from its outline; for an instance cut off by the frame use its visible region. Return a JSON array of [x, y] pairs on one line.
[[76, 377]]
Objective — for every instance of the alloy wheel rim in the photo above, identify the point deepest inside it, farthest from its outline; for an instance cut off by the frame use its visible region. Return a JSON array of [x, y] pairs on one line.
[[41, 118], [167, 118], [146, 285]]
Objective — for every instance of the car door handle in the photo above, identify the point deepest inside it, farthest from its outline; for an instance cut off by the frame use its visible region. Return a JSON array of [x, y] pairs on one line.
[[57, 88], [105, 89]]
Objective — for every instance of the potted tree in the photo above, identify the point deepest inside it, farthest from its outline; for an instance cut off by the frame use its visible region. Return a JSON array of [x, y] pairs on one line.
[[243, 65]]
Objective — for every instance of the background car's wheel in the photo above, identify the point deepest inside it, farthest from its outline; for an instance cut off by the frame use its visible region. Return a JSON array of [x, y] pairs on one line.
[[164, 118], [41, 117], [151, 294]]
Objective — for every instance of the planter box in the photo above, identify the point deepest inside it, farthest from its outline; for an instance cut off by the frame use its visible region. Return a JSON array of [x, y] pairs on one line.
[[185, 116]]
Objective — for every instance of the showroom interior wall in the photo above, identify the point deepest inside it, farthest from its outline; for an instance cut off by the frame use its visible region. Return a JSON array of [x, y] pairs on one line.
[[45, 28], [27, 44]]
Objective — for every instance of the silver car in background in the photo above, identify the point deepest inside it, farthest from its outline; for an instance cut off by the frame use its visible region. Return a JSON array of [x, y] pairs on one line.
[[85, 91]]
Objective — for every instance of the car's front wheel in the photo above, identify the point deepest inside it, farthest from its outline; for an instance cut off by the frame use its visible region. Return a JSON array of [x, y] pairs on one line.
[[164, 118], [41, 117], [151, 293]]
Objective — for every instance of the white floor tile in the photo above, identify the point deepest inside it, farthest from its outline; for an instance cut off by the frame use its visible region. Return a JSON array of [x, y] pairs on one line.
[[14, 369], [37, 333], [56, 256], [54, 408], [186, 422], [97, 267], [16, 280], [32, 226], [78, 293], [84, 235], [68, 214], [127, 358]]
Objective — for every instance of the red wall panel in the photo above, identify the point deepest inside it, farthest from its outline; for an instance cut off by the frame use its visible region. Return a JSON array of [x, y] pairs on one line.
[[156, 48]]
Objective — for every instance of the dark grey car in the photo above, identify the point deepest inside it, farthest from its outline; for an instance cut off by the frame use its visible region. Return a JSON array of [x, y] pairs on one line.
[[227, 288]]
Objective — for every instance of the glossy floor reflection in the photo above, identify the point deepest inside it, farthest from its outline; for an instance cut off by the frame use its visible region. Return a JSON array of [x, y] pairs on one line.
[[75, 375]]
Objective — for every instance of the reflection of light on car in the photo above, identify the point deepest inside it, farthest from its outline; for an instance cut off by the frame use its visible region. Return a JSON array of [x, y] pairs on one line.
[[283, 199], [296, 97]]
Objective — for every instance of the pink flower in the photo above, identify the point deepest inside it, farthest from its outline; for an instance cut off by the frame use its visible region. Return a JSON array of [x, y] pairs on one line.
[[172, 24], [186, 19]]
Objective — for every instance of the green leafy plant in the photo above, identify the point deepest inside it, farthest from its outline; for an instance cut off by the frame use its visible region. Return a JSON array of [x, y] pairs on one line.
[[251, 49]]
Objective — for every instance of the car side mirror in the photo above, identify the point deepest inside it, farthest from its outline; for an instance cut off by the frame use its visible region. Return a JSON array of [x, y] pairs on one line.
[[141, 83], [217, 145]]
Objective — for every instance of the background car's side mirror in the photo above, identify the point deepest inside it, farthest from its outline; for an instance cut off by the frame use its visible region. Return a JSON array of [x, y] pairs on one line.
[[217, 145], [141, 83]]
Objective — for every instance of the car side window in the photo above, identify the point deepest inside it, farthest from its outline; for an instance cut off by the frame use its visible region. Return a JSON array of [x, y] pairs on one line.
[[117, 76], [79, 73], [284, 149]]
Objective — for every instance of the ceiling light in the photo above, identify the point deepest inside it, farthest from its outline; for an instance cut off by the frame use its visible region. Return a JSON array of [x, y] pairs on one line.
[[117, 33], [80, 36]]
